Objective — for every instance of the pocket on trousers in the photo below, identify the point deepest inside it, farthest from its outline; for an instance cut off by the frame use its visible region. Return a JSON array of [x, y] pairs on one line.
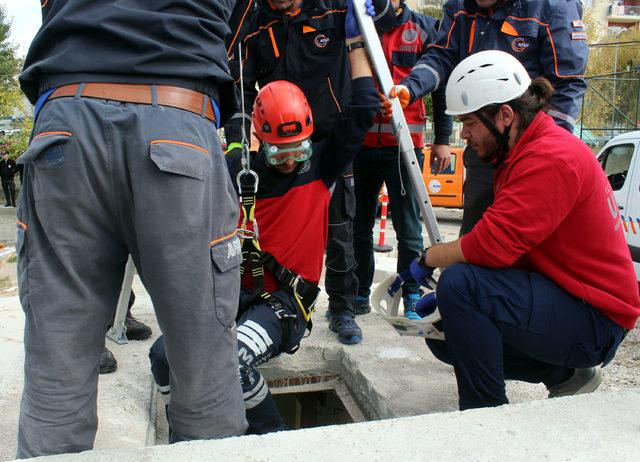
[[181, 158], [226, 258], [349, 197], [21, 254], [46, 147]]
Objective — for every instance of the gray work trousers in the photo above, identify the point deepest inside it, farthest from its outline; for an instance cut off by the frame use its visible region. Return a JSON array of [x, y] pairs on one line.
[[104, 179]]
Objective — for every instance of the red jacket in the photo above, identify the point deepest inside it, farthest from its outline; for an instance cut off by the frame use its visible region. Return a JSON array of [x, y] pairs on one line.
[[403, 45], [554, 213]]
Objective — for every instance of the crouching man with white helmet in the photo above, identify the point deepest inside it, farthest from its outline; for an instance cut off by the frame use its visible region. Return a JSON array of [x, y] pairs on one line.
[[543, 288]]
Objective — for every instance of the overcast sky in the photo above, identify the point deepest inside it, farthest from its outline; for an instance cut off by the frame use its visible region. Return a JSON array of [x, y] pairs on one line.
[[25, 18]]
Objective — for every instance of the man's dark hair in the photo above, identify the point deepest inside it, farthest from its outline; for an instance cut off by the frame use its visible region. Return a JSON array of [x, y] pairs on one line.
[[535, 99]]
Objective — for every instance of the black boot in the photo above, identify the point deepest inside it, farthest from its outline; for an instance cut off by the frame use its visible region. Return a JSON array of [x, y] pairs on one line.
[[108, 362]]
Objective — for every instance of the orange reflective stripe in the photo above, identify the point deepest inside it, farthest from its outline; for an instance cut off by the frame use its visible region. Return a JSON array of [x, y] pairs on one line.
[[233, 41], [276, 52], [328, 12], [471, 35], [453, 24], [529, 19], [507, 28], [22, 225], [261, 28], [52, 133], [180, 143], [333, 95], [223, 238], [555, 59], [43, 4], [307, 29]]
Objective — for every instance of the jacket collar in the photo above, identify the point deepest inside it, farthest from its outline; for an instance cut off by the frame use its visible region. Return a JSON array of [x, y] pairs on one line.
[[540, 123], [499, 11], [270, 13]]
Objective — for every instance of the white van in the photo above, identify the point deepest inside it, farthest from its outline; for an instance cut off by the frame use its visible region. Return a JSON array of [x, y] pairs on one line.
[[620, 159]]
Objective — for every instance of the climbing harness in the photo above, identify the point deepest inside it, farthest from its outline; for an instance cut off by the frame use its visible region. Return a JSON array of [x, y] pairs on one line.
[[303, 293]]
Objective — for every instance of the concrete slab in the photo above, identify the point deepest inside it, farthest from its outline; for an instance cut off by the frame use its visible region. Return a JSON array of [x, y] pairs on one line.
[[389, 376], [583, 428]]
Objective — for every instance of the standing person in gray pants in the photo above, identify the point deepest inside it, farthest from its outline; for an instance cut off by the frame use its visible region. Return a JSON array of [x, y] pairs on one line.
[[125, 159]]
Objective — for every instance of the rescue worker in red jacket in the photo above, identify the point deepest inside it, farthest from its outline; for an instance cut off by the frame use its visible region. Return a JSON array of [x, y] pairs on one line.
[[303, 42], [543, 288], [380, 161], [282, 269], [546, 36]]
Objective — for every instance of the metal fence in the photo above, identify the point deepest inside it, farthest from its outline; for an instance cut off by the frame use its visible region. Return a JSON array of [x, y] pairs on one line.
[[611, 104]]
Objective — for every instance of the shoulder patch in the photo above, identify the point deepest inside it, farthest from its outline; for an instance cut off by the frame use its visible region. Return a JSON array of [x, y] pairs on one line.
[[578, 36], [578, 24]]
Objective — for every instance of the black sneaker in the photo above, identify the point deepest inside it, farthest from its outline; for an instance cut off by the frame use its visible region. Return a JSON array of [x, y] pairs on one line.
[[136, 330], [362, 305], [108, 362], [345, 326]]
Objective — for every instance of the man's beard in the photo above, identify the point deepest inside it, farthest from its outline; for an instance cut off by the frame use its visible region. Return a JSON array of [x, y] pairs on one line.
[[491, 153]]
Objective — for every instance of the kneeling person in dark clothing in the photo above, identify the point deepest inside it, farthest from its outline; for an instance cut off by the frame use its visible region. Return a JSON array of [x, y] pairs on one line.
[[281, 273]]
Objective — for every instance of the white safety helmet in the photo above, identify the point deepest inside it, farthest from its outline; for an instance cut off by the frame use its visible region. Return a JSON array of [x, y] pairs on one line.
[[485, 78]]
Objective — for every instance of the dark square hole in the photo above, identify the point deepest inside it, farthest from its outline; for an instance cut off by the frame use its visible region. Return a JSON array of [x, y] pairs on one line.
[[312, 409]]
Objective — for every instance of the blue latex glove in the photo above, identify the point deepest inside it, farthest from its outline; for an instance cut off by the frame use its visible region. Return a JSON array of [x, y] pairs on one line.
[[422, 273], [427, 305], [397, 283], [351, 28]]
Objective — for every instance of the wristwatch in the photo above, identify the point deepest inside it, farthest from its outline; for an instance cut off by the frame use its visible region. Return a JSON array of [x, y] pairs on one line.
[[422, 258], [354, 45]]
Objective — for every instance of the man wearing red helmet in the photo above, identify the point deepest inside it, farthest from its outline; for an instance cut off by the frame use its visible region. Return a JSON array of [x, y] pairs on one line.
[[302, 42], [290, 207]]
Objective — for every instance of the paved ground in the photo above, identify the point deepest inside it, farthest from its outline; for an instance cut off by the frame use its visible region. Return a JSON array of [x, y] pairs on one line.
[[398, 374], [7, 225]]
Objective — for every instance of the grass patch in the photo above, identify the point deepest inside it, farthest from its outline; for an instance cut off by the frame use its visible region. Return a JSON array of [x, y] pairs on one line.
[[12, 259], [5, 282]]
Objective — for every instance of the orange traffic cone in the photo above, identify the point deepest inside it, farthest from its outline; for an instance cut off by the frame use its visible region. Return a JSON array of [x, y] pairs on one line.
[[381, 246]]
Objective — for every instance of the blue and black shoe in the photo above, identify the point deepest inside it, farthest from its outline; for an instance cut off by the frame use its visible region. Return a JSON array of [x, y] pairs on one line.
[[410, 301], [345, 326]]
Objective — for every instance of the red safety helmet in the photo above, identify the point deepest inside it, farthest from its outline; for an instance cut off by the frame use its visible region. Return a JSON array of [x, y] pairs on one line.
[[281, 114]]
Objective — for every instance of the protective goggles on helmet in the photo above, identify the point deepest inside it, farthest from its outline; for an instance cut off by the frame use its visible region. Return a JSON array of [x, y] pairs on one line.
[[277, 155]]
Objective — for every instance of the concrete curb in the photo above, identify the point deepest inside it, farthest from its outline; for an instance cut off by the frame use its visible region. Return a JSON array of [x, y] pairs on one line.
[[592, 427]]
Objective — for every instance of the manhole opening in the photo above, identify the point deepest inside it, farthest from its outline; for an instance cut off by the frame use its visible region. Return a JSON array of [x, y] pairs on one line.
[[303, 402], [316, 402], [312, 409]]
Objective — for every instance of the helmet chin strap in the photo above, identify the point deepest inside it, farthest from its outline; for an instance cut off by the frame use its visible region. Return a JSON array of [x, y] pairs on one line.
[[501, 138]]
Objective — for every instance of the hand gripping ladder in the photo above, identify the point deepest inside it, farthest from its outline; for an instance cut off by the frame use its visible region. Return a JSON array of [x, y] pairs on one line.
[[423, 328]]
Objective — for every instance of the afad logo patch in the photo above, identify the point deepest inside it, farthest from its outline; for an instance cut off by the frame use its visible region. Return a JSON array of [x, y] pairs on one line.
[[519, 44], [321, 40], [410, 36]]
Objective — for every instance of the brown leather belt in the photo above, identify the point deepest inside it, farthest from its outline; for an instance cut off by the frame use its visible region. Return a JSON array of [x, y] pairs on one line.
[[177, 97]]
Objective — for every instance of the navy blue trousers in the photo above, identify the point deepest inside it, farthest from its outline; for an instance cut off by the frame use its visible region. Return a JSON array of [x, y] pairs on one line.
[[509, 324]]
